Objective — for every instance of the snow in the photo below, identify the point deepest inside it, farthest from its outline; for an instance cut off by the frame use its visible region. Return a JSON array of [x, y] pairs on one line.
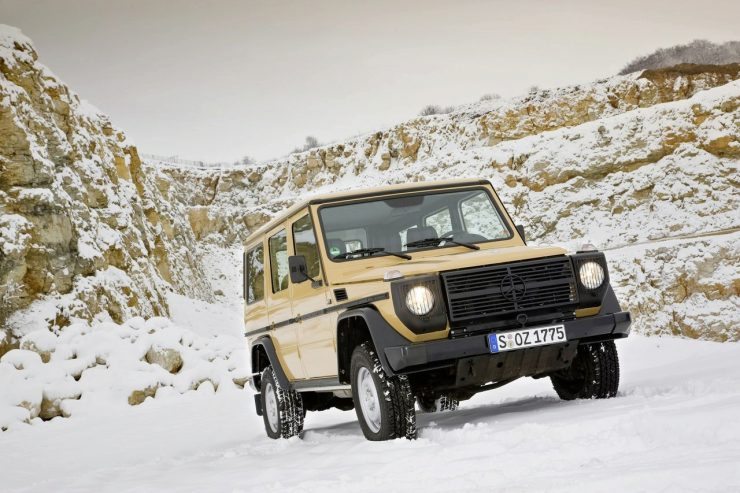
[[673, 427], [96, 367]]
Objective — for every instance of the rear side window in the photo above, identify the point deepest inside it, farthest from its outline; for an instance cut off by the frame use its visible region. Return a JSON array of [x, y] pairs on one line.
[[279, 261], [255, 274], [304, 241]]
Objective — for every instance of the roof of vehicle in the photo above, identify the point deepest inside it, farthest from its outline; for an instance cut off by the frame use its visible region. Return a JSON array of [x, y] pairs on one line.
[[359, 193]]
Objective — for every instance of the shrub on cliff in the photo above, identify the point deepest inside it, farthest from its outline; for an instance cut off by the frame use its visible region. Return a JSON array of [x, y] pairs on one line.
[[699, 51]]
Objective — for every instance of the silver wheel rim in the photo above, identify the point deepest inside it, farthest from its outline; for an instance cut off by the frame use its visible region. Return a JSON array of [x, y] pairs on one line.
[[271, 407], [368, 397]]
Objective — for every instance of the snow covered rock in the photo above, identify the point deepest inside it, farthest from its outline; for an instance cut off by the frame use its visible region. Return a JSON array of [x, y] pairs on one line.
[[103, 364], [628, 160], [83, 228], [169, 359], [685, 287], [41, 342]]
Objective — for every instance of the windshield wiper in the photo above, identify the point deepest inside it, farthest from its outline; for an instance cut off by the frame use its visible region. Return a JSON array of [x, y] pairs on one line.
[[437, 241], [373, 251]]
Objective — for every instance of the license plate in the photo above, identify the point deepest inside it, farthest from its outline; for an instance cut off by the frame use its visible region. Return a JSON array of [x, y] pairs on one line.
[[534, 336]]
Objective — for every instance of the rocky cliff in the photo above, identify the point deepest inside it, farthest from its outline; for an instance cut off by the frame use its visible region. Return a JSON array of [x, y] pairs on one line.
[[631, 160], [643, 165], [84, 231]]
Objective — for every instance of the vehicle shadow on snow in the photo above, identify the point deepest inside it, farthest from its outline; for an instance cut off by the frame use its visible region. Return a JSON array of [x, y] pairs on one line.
[[475, 414]]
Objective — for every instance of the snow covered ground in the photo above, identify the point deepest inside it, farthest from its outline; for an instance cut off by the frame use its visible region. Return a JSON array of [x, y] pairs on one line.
[[673, 427]]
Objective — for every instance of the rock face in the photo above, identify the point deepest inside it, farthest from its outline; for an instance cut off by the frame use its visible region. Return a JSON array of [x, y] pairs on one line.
[[643, 165], [629, 160], [83, 229], [490, 139]]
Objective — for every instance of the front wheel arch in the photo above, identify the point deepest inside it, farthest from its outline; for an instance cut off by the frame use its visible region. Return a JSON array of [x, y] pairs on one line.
[[359, 325]]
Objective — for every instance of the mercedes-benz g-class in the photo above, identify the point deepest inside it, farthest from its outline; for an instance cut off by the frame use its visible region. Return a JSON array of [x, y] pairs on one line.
[[417, 295]]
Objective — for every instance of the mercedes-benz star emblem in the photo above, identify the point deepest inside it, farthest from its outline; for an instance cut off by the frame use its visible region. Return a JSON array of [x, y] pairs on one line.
[[513, 287]]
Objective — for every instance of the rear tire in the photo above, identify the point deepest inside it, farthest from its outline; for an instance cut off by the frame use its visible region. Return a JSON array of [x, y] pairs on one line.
[[440, 404], [594, 373], [282, 410], [384, 405]]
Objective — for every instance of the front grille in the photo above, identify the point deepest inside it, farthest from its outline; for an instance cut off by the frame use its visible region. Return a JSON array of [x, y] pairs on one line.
[[493, 290]]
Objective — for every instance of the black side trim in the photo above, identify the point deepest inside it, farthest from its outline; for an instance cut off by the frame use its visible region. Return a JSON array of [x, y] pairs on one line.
[[269, 348], [313, 383], [318, 313]]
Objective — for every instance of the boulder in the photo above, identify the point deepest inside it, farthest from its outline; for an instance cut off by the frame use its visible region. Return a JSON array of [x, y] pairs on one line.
[[167, 358], [139, 396]]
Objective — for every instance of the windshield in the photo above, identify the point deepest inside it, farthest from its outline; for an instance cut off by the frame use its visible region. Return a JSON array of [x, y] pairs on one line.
[[400, 224]]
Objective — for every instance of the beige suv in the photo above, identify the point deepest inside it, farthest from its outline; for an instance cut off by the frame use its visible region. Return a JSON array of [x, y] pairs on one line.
[[422, 294]]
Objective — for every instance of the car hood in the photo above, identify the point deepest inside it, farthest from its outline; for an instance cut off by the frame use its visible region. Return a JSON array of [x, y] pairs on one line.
[[368, 271]]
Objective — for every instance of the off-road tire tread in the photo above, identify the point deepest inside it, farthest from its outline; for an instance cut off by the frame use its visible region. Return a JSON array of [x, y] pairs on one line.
[[397, 393], [443, 403], [447, 403], [601, 362], [290, 405]]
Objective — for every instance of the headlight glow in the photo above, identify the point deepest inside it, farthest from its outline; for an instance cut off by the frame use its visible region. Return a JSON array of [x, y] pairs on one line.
[[591, 274], [420, 300]]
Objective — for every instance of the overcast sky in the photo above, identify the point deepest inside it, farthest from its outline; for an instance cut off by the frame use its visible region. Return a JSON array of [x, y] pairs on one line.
[[216, 80]]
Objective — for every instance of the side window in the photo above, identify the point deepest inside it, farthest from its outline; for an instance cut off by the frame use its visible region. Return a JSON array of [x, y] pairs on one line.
[[279, 261], [255, 272], [480, 217], [304, 241], [440, 221]]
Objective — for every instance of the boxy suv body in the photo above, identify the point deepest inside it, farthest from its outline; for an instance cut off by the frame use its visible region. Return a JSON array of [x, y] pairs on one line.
[[422, 294]]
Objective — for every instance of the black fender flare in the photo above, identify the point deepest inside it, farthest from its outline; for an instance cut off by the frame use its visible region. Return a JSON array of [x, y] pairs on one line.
[[381, 334], [266, 343]]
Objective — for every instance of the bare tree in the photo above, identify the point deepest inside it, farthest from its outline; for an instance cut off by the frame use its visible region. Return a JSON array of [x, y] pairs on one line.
[[490, 96], [430, 109], [311, 142], [433, 109], [245, 160], [699, 51]]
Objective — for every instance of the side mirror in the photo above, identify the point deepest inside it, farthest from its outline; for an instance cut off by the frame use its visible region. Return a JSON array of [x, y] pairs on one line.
[[520, 230], [298, 269]]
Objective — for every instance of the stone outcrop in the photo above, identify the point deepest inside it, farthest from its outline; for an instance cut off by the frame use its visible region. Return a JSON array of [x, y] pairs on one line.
[[623, 161], [87, 228], [225, 205], [83, 228]]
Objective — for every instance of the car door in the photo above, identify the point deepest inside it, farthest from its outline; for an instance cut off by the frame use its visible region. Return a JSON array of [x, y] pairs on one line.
[[284, 333], [316, 331]]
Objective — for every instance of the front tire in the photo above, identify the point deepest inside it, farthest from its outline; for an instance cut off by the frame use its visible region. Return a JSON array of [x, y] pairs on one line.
[[384, 405], [594, 373], [282, 410]]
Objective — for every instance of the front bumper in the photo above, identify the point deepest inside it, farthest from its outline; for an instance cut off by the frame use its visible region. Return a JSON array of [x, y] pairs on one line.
[[426, 354]]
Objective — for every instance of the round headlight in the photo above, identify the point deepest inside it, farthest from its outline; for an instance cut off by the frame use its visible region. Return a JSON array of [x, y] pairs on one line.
[[420, 300], [591, 274]]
